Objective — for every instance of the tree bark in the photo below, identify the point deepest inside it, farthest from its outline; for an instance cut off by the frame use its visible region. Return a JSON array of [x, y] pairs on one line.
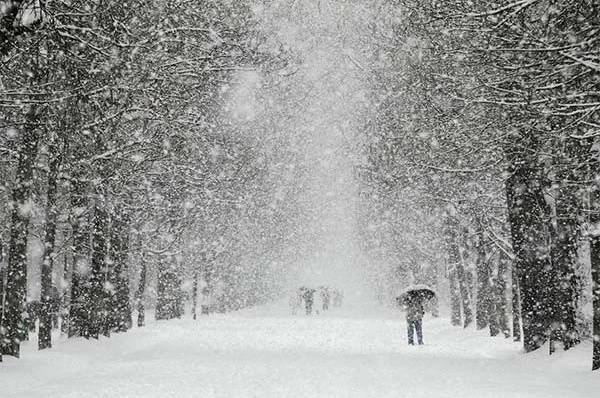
[[501, 302], [169, 292], [465, 295], [2, 289], [595, 263], [529, 231], [65, 302], [516, 305], [595, 259], [45, 329], [139, 295], [14, 329], [120, 307], [483, 313], [97, 304], [566, 282], [195, 294], [453, 260], [78, 313], [566, 233]]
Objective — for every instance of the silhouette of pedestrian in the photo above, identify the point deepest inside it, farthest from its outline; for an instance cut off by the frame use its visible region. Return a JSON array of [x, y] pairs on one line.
[[309, 297], [414, 318]]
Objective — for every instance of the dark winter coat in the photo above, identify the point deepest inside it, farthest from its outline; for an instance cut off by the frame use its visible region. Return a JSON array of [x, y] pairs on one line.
[[414, 309]]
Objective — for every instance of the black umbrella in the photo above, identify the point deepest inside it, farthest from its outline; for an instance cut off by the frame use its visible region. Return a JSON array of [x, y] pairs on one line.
[[420, 291]]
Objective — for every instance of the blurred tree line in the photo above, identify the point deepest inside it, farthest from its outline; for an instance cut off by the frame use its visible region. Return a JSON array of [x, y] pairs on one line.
[[484, 135], [120, 167]]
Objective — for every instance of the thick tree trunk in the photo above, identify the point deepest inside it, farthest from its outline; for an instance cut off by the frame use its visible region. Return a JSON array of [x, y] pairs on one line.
[[566, 232], [14, 329], [529, 231], [566, 282], [45, 329], [595, 263]]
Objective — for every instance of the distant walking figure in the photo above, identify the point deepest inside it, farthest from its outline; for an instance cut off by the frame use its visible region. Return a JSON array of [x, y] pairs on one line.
[[337, 298], [325, 297], [308, 296], [412, 299], [414, 319]]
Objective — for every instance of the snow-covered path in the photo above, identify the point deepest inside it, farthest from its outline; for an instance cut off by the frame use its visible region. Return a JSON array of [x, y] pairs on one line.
[[264, 353]]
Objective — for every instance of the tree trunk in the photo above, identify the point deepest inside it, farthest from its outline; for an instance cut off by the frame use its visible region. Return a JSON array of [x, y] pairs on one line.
[[465, 294], [595, 256], [528, 225], [453, 261], [595, 262], [120, 307], [483, 314], [493, 310], [78, 312], [139, 295], [528, 230], [45, 329], [566, 232], [566, 282], [97, 304], [169, 292], [455, 312], [195, 294], [501, 302], [65, 299], [2, 289], [14, 330], [516, 305]]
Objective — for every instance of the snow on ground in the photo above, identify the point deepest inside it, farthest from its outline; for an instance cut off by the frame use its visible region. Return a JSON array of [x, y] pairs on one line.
[[264, 352]]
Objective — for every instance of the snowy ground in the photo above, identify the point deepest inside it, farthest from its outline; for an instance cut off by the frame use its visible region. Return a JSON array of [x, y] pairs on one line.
[[267, 353]]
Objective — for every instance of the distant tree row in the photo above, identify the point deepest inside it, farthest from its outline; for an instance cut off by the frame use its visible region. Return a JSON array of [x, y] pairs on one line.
[[484, 141], [117, 154]]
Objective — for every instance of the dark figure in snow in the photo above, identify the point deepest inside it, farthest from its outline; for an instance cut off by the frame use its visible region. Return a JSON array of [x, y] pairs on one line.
[[325, 297], [338, 296], [414, 318], [309, 296]]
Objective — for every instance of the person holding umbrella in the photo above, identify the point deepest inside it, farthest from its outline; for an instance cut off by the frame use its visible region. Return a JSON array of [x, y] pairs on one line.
[[412, 300]]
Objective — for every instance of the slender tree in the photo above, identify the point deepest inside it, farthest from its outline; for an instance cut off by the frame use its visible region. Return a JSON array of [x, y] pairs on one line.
[[45, 328], [14, 329]]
